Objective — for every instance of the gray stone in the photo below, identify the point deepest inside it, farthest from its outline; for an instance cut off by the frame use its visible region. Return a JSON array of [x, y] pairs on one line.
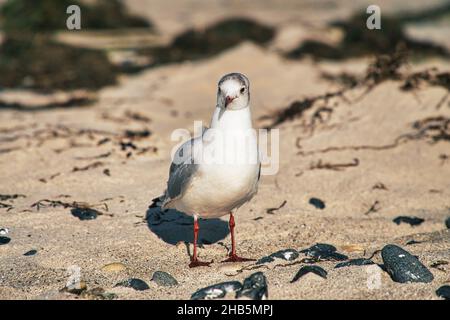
[[218, 290], [164, 279], [404, 267], [254, 287], [136, 284], [287, 254]]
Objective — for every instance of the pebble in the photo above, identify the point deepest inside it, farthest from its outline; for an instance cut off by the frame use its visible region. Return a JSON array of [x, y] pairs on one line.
[[413, 221], [84, 213], [444, 292], [447, 223], [287, 254], [136, 284], [32, 252], [254, 287], [230, 269], [307, 269], [4, 231], [404, 267], [77, 288], [164, 279], [114, 267], [354, 262], [324, 251], [317, 203], [217, 290], [98, 294], [4, 240]]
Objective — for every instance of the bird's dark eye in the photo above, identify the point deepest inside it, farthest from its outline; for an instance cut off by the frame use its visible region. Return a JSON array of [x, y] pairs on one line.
[[219, 91], [242, 90]]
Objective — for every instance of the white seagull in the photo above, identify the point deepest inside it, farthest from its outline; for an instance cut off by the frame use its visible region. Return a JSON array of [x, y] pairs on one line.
[[216, 173]]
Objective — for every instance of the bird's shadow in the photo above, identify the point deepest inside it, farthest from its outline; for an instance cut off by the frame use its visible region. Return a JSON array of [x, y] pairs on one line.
[[173, 226]]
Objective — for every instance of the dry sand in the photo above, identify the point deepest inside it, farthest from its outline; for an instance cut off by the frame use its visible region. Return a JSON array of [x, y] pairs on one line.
[[49, 144]]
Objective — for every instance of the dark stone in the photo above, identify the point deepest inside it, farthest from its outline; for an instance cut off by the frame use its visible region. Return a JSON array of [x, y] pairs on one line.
[[354, 262], [307, 269], [447, 223], [218, 290], [316, 202], [164, 279], [266, 259], [444, 292], [30, 253], [324, 251], [287, 254], [404, 267], [84, 213], [4, 240], [254, 287], [414, 221], [136, 284]]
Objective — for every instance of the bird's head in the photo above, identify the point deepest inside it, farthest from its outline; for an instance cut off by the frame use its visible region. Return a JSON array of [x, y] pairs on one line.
[[233, 92]]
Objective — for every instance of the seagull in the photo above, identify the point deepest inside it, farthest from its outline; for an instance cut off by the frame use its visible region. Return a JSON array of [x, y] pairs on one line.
[[217, 172]]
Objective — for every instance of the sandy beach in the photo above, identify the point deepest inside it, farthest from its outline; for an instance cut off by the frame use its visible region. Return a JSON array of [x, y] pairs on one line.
[[371, 152]]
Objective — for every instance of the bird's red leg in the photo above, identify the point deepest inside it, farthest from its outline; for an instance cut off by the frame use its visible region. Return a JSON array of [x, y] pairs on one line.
[[233, 257], [194, 261]]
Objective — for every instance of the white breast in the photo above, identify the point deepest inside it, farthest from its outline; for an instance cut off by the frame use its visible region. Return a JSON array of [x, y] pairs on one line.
[[228, 172]]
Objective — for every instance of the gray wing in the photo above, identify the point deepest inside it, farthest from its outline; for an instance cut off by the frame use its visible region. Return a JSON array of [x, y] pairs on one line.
[[181, 172]]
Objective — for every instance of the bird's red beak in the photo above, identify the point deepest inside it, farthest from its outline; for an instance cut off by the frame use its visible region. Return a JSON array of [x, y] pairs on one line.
[[228, 100]]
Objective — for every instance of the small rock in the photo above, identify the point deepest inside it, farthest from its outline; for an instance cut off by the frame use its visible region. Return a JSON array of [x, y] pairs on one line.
[[217, 290], [287, 254], [84, 213], [30, 253], [4, 240], [164, 279], [4, 231], [447, 223], [323, 251], [76, 288], [97, 293], [230, 269], [444, 292], [317, 203], [109, 296], [438, 265], [114, 267], [254, 287], [404, 267], [413, 221], [136, 284], [307, 269], [354, 262], [353, 248]]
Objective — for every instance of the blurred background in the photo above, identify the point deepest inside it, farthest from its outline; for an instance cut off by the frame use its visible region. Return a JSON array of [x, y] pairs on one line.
[[124, 37]]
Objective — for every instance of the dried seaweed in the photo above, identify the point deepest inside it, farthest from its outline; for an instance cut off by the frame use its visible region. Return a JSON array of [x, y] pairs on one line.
[[272, 210], [379, 186], [297, 108], [100, 156], [431, 129], [88, 167], [4, 197], [373, 208], [358, 41], [333, 166], [73, 102], [45, 180], [46, 203]]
